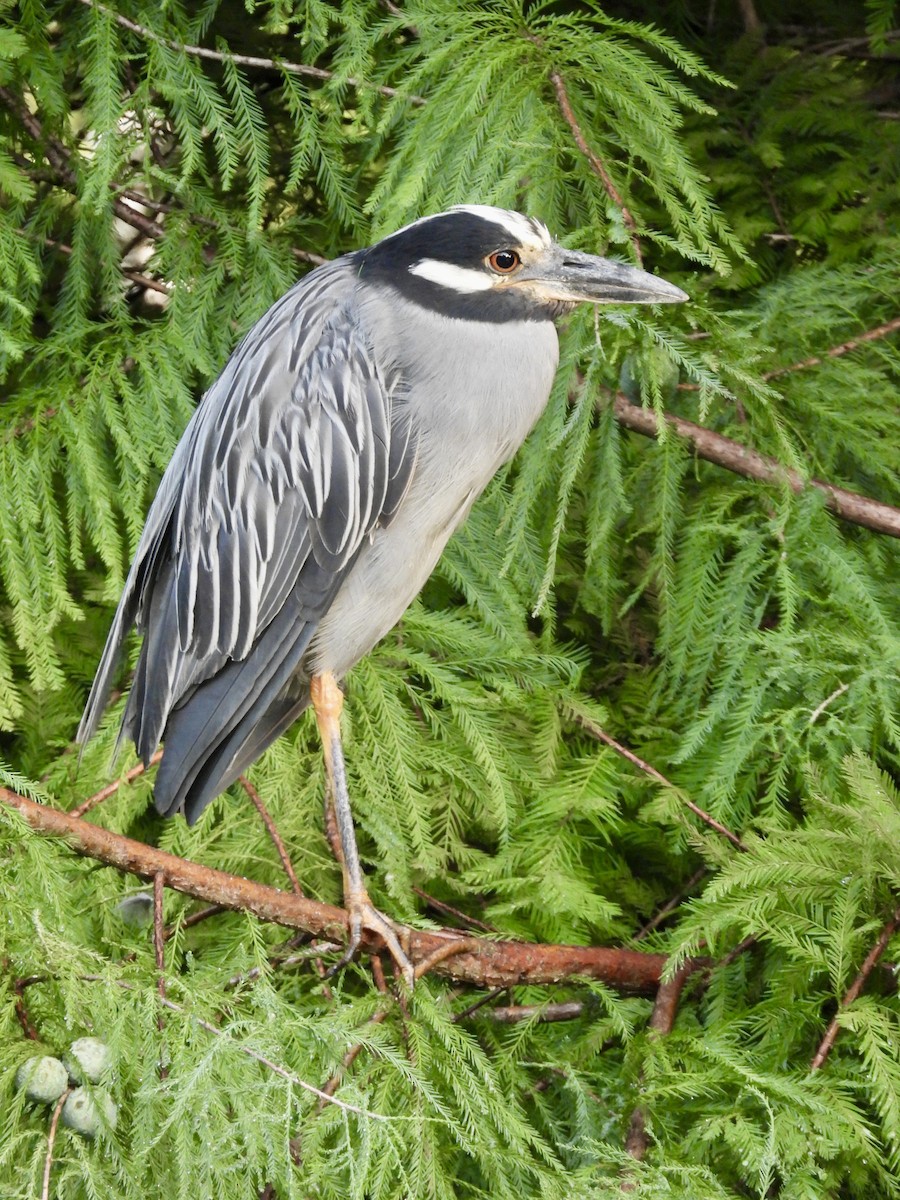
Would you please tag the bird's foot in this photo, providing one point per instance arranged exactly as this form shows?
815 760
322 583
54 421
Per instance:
364 916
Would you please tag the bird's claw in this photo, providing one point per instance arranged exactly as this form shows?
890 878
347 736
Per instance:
364 916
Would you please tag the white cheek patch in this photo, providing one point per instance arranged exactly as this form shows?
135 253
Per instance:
457 279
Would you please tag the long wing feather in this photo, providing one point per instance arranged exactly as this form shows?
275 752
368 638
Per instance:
299 449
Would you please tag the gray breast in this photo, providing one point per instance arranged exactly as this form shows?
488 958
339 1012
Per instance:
474 391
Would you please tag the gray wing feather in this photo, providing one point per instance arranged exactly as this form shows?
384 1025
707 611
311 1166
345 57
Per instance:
297 452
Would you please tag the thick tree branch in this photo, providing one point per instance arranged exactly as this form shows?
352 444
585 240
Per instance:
742 460
483 962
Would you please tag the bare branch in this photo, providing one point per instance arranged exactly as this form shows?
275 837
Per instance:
245 60
273 833
597 164
51 1141
596 731
486 963
112 788
855 988
871 335
742 460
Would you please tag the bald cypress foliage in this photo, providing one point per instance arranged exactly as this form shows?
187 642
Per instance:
168 171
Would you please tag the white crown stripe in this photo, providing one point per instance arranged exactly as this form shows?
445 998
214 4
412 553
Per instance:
525 231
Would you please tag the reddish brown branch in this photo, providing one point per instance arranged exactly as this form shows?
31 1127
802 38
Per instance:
855 988
487 963
662 1019
597 164
871 335
273 833
112 788
143 281
742 460
598 732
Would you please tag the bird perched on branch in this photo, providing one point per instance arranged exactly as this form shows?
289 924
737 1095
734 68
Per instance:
318 482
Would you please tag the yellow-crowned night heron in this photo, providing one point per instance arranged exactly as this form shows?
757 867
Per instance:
318 482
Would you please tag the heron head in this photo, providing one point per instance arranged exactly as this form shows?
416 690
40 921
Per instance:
491 264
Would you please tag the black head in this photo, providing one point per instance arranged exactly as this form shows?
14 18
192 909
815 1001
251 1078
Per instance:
491 264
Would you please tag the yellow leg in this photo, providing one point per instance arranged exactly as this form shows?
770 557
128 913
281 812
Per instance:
328 700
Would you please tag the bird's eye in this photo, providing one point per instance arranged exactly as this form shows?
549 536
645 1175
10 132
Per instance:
504 262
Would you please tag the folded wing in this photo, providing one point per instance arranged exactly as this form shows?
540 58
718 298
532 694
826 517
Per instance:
296 454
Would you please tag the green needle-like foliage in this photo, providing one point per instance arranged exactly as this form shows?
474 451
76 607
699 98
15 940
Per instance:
167 171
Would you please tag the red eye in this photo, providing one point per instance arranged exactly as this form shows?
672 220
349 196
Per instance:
504 262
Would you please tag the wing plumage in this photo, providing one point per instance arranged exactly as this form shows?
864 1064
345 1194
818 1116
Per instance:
299 450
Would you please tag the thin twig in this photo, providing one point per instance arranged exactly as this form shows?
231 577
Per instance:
350 1057
512 1014
597 164
273 833
19 986
819 709
57 153
143 281
853 991
480 1003
159 946
742 460
317 260
195 918
112 788
60 158
246 60
276 1068
706 975
442 906
281 964
598 732
670 905
487 963
872 335
51 1139
442 953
